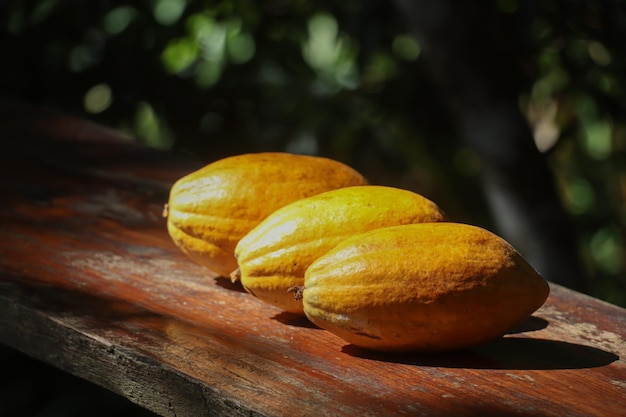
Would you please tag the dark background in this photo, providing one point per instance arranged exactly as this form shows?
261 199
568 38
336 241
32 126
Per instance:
348 80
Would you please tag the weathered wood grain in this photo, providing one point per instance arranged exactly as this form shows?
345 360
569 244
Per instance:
91 283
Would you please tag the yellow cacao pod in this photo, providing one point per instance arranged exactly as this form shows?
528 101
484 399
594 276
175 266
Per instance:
274 255
422 287
210 209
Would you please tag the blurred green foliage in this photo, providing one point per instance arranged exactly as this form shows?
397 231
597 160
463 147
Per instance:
343 79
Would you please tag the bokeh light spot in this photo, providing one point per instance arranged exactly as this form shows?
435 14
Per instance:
98 98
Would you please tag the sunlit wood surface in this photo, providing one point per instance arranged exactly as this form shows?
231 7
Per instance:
91 283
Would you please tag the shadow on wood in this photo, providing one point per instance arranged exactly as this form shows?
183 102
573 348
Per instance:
513 353
296 320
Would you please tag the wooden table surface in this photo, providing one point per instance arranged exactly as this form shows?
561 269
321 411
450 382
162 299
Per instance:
91 283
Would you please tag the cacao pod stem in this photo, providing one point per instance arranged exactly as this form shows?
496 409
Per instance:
235 275
297 292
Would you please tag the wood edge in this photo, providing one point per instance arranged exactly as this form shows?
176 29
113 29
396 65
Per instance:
123 371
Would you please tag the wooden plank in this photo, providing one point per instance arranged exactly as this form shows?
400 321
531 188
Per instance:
91 283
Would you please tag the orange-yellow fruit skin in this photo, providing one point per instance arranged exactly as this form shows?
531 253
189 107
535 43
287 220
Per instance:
274 256
422 287
212 208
